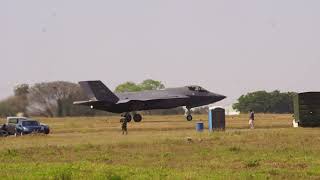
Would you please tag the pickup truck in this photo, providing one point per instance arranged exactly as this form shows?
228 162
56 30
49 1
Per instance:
21 125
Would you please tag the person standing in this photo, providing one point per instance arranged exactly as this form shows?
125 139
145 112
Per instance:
124 125
251 119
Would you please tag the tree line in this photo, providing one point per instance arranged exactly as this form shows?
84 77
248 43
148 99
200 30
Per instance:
55 99
266 102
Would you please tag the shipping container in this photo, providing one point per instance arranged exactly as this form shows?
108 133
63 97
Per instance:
307 109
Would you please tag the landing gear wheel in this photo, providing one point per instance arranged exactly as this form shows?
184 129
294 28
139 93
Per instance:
128 117
189 117
137 118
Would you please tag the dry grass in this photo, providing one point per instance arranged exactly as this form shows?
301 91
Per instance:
157 148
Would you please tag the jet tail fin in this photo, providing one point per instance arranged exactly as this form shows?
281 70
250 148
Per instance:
97 91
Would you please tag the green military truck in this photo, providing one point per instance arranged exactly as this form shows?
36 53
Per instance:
307 109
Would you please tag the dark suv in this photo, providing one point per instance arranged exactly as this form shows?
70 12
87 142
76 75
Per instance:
21 126
31 126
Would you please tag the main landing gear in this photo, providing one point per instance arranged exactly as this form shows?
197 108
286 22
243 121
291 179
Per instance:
136 117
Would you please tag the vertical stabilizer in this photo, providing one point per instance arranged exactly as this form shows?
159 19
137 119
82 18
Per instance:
97 91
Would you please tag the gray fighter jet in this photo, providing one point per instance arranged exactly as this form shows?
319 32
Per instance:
101 98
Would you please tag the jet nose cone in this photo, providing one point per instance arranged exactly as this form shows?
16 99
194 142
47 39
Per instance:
221 97
218 97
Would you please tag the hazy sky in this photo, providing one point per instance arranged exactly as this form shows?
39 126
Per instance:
227 46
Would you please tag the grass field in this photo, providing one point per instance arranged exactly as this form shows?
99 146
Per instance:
157 148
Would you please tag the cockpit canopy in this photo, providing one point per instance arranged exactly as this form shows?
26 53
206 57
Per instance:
197 88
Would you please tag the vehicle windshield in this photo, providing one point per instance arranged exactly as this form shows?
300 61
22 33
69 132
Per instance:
30 123
197 88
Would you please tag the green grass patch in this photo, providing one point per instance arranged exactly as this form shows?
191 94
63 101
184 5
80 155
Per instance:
158 149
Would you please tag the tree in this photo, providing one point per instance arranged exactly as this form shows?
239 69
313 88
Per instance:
266 102
128 87
16 104
55 99
11 106
150 84
21 90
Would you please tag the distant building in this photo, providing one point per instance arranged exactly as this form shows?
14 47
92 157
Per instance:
231 112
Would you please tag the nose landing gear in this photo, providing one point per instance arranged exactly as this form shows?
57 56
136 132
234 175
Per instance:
189 116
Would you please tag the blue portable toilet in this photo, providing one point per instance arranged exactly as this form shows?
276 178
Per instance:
216 119
199 126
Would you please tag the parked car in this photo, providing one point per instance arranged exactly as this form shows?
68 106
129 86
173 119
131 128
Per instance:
22 125
3 132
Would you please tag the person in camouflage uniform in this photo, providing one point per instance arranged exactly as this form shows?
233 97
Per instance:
124 125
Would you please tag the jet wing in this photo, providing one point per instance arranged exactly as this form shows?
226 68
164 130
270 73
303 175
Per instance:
89 103
143 99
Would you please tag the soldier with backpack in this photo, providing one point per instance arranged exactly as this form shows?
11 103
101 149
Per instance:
124 125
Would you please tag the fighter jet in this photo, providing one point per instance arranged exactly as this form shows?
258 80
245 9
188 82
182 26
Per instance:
102 98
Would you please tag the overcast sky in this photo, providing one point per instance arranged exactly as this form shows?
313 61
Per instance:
227 46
